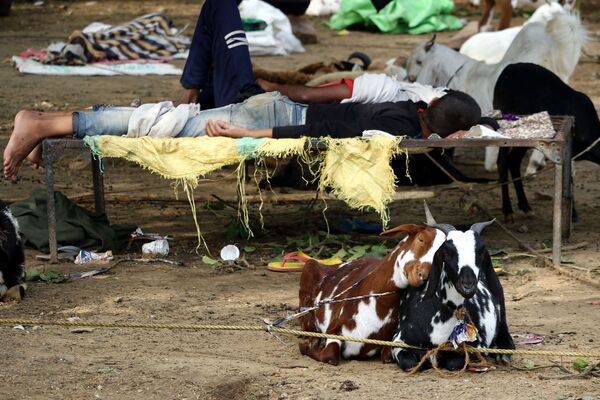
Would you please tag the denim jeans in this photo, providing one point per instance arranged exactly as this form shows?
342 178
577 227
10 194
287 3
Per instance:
262 111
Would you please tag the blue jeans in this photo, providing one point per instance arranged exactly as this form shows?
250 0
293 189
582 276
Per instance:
262 111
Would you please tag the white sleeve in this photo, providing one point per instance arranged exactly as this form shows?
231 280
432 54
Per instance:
380 88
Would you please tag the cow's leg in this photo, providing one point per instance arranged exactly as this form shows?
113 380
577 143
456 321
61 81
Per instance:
486 15
514 163
329 354
505 14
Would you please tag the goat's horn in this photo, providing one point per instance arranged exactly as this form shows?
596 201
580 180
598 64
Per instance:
430 43
446 228
429 218
480 226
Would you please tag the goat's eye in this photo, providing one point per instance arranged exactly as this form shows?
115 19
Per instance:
419 62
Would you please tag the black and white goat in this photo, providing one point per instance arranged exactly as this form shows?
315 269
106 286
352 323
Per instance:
462 275
12 257
526 88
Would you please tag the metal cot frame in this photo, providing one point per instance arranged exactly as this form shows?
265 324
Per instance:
557 150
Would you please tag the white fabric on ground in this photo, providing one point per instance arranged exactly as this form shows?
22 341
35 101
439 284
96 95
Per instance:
320 8
29 66
380 88
160 119
277 38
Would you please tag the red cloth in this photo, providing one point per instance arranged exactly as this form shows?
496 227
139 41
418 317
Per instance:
345 81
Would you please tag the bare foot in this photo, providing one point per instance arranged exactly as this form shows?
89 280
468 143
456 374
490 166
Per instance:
24 139
35 157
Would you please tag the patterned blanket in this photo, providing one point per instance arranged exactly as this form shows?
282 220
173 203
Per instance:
148 37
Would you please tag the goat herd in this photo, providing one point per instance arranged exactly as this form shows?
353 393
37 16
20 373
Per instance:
419 294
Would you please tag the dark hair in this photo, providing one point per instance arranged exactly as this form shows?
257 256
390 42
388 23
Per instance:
453 112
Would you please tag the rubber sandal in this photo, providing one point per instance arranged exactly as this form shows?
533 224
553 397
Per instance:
294 262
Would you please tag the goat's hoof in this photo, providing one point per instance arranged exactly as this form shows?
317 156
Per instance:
504 359
15 293
529 214
509 218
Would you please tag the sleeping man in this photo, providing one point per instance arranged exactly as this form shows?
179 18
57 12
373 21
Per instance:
219 72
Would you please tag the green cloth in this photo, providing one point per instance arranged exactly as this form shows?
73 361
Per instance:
399 16
75 225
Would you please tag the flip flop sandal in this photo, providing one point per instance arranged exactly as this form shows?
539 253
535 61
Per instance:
298 259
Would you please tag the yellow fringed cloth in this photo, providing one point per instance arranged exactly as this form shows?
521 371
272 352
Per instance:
358 171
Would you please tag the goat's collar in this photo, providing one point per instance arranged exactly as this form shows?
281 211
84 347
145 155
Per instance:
455 73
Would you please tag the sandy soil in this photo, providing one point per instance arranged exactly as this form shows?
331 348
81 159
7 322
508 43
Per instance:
55 363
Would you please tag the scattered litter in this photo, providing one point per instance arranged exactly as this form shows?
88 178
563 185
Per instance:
139 234
348 386
157 247
230 253
343 32
481 368
19 327
528 338
73 319
73 276
38 3
85 257
82 330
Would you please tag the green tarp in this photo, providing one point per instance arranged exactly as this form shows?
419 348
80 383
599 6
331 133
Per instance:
399 16
75 225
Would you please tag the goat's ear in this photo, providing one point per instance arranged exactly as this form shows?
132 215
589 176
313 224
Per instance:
433 282
480 226
491 278
401 230
430 43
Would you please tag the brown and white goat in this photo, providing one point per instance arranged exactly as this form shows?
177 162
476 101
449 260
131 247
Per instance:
371 316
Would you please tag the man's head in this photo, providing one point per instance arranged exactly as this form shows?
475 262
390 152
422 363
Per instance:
454 112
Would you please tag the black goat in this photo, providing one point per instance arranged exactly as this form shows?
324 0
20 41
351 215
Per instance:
12 257
526 88
462 275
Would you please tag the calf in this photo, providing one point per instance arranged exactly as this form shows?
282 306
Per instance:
373 316
526 88
461 276
12 257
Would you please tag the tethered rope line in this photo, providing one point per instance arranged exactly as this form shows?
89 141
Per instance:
273 329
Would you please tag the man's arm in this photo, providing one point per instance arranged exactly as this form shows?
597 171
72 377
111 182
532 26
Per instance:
222 128
306 94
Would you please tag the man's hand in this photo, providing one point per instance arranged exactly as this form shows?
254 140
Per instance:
188 96
457 135
268 86
222 128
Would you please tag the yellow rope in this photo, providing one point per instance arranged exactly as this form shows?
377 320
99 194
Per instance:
294 332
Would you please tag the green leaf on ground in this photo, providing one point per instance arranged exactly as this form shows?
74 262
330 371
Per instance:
527 363
52 277
580 363
104 370
209 261
249 249
32 275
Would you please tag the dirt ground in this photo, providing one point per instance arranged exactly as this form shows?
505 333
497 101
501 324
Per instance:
52 362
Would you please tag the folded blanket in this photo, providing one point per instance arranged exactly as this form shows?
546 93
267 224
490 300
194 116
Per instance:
150 36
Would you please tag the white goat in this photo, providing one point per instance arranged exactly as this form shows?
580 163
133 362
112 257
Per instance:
490 47
555 46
